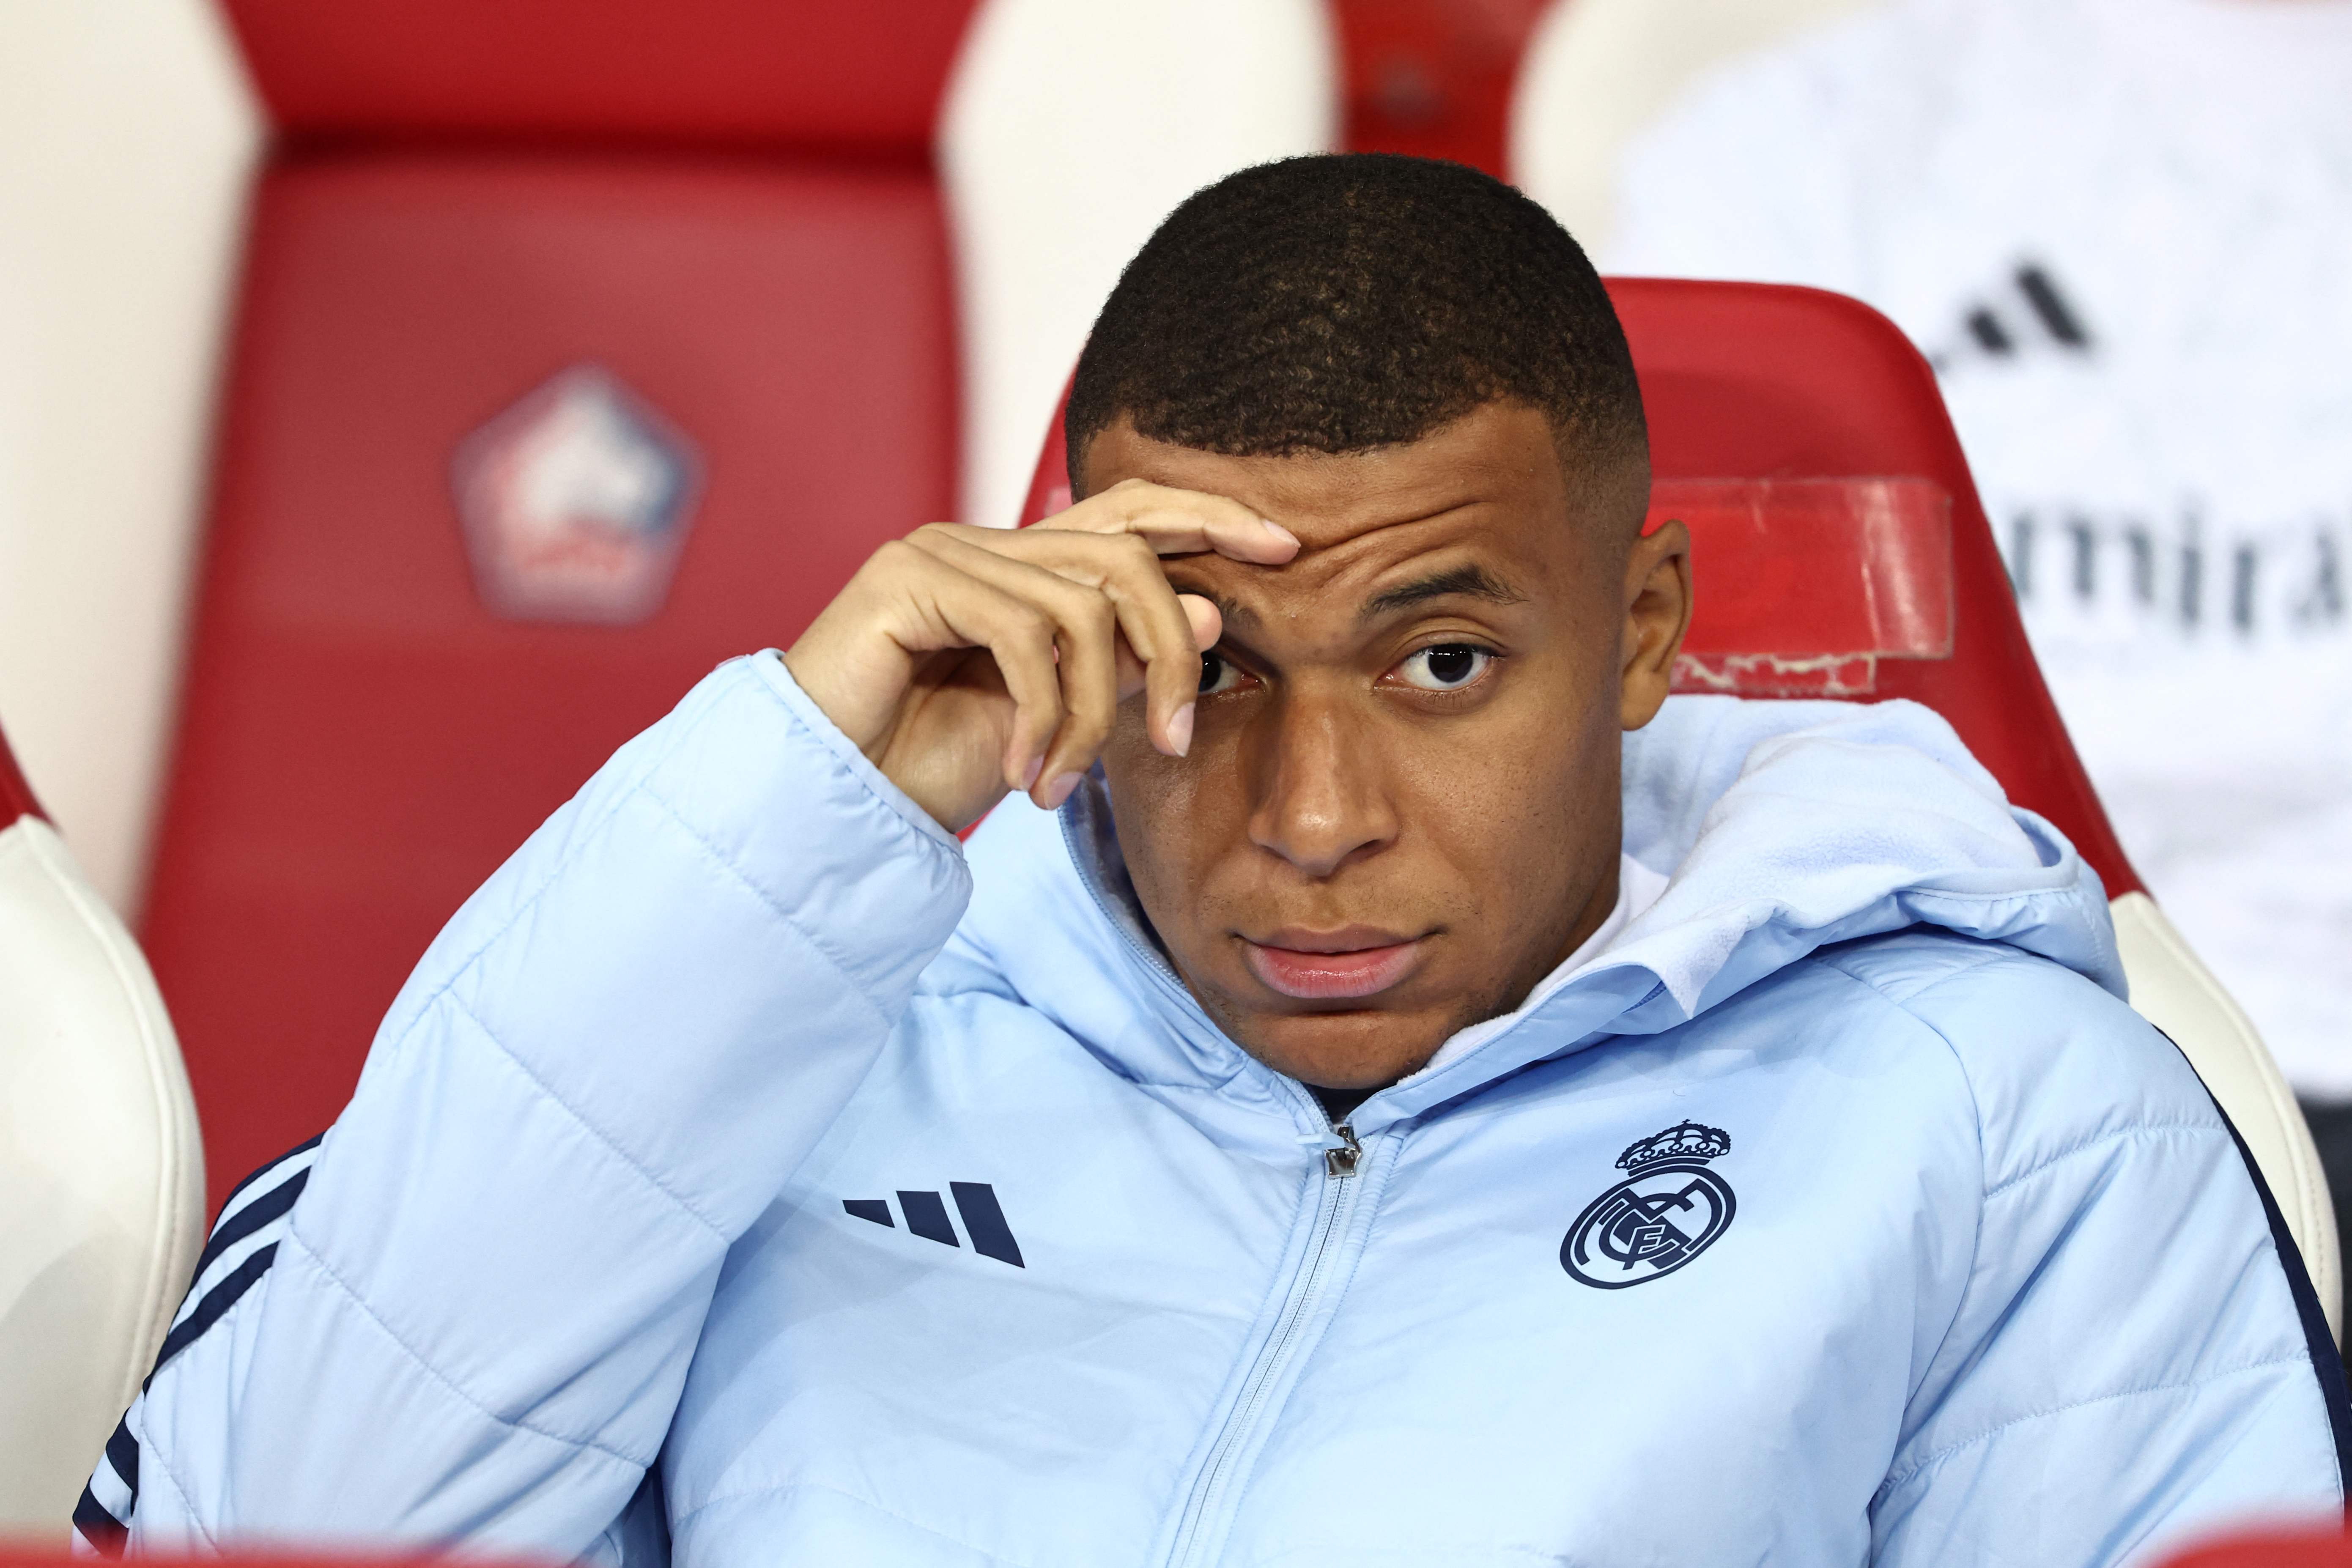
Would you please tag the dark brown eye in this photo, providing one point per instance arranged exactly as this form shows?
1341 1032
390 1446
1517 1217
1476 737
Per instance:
1217 674
1449 666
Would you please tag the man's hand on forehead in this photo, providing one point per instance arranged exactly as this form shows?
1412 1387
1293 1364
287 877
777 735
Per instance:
966 662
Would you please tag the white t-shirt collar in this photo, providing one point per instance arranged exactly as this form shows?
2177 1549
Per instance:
1638 888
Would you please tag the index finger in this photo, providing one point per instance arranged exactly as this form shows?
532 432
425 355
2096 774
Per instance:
1180 522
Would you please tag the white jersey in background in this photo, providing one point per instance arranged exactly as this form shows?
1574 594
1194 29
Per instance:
2122 230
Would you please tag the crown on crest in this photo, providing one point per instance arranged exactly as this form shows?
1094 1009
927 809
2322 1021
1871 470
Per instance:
1685 1140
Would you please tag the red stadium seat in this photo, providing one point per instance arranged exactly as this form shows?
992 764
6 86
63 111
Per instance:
16 795
580 346
1840 551
2280 1548
1433 78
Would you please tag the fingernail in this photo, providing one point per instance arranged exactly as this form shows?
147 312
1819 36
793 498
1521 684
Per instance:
1179 729
1059 790
1277 530
1029 773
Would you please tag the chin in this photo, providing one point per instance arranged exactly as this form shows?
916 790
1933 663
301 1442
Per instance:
1364 1048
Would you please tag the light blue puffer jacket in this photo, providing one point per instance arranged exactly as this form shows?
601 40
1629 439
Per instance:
749 1174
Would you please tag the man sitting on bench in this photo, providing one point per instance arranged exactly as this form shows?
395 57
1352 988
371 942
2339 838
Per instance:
1399 1088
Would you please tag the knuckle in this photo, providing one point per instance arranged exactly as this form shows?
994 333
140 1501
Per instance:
1091 715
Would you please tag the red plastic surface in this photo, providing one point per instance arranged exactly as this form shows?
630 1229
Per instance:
16 795
1756 380
1433 78
1836 575
800 73
1761 382
2276 1549
361 742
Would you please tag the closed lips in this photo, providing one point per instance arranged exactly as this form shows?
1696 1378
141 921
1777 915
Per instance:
1328 966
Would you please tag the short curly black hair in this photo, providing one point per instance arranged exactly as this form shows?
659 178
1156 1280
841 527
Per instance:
1344 301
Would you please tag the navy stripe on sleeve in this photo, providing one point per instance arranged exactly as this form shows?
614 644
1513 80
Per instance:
218 1300
122 1453
253 1206
103 1517
2326 1361
106 1534
263 1173
235 1226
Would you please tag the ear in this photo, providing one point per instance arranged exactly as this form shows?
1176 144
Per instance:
1657 614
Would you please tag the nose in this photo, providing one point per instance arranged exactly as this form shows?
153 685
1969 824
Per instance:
1318 801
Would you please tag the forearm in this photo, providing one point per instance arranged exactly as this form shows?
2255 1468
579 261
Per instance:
481 1309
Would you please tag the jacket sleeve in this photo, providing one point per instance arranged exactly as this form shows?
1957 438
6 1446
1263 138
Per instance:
2136 1359
467 1312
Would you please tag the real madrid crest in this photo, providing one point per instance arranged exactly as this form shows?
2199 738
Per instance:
1670 1209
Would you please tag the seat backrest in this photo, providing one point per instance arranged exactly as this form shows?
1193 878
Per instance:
1071 129
580 346
1806 443
1431 78
101 1179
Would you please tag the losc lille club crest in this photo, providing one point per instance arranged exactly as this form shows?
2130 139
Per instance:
1670 1209
576 502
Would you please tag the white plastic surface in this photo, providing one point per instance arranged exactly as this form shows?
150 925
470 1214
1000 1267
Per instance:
101 1178
126 135
2180 995
1071 129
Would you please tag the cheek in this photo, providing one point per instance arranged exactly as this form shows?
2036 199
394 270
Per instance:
1155 807
1184 827
1520 810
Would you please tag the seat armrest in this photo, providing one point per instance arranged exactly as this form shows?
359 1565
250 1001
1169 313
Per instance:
101 1187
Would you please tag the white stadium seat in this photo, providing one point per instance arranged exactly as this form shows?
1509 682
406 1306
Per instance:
102 1177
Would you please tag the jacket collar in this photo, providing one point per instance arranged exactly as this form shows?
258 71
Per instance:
1782 827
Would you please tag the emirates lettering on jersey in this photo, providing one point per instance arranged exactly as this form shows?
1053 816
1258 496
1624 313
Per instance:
2291 578
2188 569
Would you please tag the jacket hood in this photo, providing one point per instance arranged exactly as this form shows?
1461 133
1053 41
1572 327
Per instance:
1780 826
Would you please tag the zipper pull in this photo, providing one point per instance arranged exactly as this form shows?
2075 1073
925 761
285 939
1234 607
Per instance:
1338 1163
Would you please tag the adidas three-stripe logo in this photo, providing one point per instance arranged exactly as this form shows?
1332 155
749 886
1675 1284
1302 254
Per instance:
927 1216
243 1245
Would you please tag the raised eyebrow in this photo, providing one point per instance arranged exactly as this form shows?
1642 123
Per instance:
1469 581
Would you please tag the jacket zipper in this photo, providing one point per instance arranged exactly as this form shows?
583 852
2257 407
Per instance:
1334 1199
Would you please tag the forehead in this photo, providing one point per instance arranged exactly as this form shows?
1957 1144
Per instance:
1489 489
